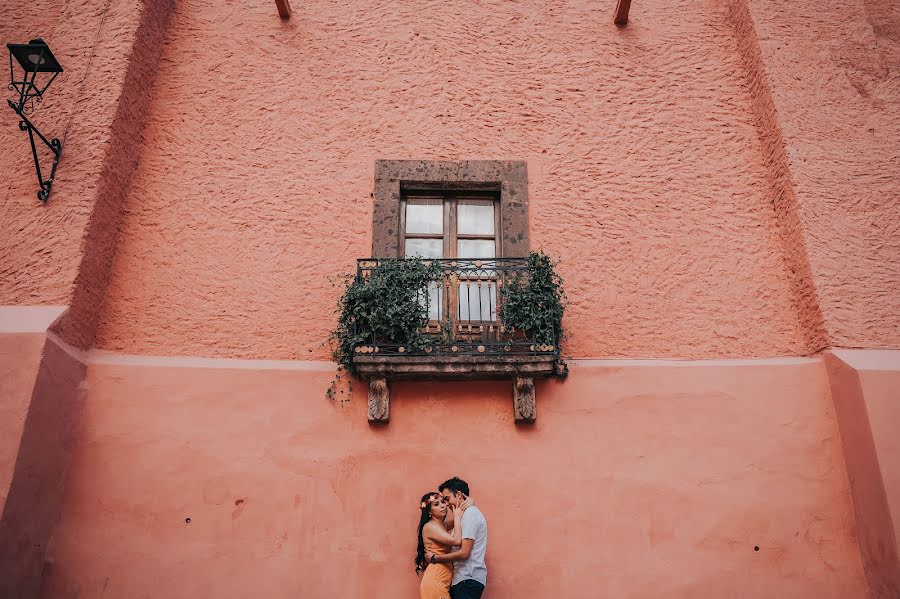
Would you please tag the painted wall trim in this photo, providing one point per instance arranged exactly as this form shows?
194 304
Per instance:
869 359
115 358
28 319
668 362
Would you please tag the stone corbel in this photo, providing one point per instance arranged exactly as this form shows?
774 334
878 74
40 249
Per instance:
524 405
379 401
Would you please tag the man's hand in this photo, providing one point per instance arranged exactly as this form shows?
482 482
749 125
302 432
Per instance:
428 556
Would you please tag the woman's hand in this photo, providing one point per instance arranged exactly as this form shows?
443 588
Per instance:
469 502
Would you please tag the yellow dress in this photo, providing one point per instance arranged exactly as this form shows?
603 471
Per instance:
437 577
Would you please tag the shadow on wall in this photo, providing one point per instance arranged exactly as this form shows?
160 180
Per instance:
32 506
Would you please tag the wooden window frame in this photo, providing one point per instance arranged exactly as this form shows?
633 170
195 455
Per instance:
450 199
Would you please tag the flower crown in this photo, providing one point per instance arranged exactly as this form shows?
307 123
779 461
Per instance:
424 504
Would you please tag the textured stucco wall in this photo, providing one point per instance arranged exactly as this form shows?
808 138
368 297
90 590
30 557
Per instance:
59 253
834 69
636 481
40 245
647 177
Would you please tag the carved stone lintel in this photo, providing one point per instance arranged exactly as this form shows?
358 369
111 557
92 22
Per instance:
524 406
379 400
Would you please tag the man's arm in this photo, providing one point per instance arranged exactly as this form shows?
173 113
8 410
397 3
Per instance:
459 555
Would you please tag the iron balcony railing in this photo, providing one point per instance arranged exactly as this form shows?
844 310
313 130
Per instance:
465 307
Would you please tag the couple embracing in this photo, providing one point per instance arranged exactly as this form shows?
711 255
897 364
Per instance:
451 544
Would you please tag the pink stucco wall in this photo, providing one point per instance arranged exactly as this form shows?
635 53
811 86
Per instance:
637 480
20 358
59 253
647 177
865 386
40 402
22 338
717 180
832 68
659 151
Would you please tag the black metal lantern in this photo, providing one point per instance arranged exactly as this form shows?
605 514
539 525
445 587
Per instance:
39 68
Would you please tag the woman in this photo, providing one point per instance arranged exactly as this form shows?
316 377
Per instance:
433 537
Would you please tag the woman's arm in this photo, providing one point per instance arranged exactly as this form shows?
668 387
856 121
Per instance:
434 532
459 555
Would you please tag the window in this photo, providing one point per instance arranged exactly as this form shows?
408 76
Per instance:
450 224
478 186
447 224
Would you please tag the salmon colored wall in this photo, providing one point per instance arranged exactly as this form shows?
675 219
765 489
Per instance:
832 67
656 149
647 176
638 480
42 441
866 389
22 336
882 391
59 253
20 357
716 180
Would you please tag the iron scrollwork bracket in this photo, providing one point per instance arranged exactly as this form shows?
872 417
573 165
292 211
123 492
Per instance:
54 144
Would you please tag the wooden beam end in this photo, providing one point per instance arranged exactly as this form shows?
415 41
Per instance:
284 8
622 8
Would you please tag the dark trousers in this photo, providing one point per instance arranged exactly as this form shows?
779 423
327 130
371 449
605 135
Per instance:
467 589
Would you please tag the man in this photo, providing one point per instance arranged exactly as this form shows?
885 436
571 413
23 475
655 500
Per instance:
469 569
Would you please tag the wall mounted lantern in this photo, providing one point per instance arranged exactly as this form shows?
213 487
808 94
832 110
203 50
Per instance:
35 58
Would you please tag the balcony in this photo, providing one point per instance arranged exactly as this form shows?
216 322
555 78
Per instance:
452 319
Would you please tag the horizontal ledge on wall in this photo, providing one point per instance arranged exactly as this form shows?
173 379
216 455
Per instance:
669 362
116 358
869 359
28 319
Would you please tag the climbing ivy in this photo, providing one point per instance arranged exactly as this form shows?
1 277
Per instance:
388 306
534 302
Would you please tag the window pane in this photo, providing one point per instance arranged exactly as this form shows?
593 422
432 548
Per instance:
424 215
475 248
435 300
425 248
477 302
475 217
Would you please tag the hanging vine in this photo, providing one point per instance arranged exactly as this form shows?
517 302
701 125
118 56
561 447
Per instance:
534 301
388 306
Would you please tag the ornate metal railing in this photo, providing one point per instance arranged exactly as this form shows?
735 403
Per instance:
465 307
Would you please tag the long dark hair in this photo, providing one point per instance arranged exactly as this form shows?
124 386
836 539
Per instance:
424 517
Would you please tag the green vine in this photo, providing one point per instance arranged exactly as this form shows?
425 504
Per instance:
386 307
534 302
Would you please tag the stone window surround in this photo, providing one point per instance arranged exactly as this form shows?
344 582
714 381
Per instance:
509 177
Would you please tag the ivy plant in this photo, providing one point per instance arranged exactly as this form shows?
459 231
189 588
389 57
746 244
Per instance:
388 306
534 303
